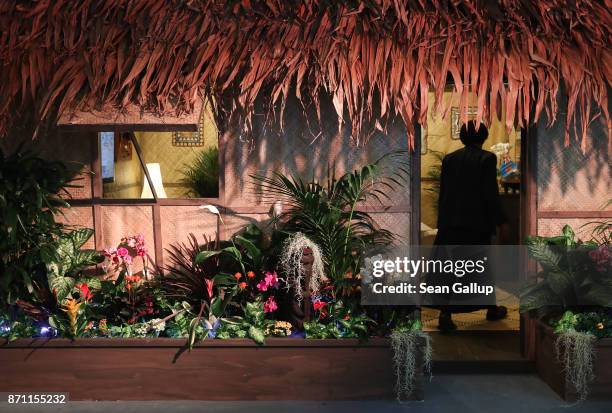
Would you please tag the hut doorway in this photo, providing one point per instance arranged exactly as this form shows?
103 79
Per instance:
476 338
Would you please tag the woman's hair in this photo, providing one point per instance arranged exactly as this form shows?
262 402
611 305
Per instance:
470 136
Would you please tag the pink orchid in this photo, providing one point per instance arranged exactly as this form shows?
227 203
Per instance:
272 279
270 305
122 251
262 286
127 259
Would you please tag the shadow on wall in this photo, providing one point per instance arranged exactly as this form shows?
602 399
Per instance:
566 169
301 148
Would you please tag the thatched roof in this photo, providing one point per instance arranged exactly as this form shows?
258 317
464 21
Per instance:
376 58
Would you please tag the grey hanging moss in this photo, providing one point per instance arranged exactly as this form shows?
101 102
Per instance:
575 350
405 345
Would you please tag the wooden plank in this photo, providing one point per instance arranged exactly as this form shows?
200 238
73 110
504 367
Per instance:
130 119
569 214
148 127
203 374
97 191
415 189
551 370
528 224
156 369
180 343
157 236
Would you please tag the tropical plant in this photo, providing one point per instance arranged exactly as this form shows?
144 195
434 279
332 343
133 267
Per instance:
252 325
197 274
573 274
405 342
31 190
330 213
316 330
65 260
336 320
202 175
601 231
73 322
433 176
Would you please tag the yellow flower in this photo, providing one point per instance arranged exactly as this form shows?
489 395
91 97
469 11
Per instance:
600 326
72 307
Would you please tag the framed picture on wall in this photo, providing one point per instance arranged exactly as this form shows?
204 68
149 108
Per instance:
190 139
456 119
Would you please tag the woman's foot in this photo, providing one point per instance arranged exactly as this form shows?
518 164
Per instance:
497 313
445 322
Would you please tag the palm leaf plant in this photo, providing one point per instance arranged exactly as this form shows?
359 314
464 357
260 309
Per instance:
202 175
331 214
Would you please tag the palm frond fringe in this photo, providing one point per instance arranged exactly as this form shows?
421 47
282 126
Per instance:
376 59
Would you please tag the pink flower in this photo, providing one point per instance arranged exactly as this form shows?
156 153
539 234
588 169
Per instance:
271 279
131 242
270 305
122 252
109 252
262 286
127 259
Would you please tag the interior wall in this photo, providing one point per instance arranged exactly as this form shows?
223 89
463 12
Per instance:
438 141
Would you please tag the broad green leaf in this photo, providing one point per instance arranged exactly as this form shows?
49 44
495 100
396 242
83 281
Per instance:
257 335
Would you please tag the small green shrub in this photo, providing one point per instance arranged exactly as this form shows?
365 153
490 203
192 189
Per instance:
202 176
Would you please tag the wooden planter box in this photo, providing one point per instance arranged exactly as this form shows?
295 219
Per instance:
551 370
149 369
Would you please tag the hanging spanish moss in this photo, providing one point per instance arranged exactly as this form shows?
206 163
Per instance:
576 351
292 265
406 349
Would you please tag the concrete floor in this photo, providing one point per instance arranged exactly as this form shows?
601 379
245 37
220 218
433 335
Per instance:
445 393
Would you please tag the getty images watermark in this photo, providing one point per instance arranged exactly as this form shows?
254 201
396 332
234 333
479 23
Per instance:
441 275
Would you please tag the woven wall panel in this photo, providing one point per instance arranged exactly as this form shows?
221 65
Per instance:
78 217
548 227
396 222
235 222
569 179
73 149
297 150
121 221
177 222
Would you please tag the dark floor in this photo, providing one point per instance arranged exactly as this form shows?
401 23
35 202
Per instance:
523 393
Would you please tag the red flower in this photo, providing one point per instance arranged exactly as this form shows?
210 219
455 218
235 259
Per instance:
237 276
319 305
209 287
251 274
85 291
242 285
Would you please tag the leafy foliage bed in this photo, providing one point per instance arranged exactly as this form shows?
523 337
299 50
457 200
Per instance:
210 288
